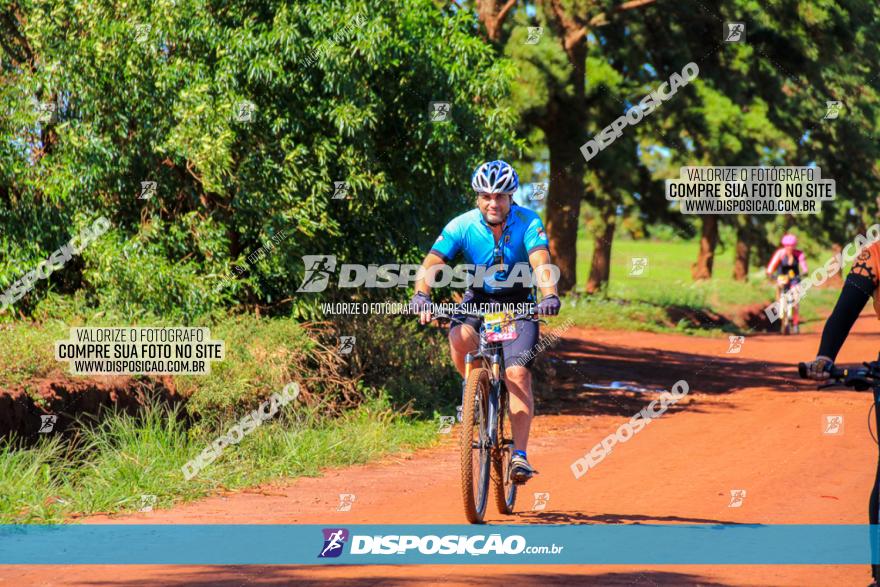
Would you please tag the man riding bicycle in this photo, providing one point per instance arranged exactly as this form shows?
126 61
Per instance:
496 234
788 263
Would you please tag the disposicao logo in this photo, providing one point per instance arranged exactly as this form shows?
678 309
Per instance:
334 539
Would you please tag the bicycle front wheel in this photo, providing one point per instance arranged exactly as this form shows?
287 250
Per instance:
474 445
505 488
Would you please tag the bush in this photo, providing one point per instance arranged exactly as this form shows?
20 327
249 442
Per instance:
163 270
411 362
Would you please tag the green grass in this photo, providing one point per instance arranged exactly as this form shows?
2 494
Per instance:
27 351
124 458
639 302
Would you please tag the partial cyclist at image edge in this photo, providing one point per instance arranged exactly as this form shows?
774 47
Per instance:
497 233
788 263
861 285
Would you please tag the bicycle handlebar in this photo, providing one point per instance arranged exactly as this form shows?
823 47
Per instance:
859 379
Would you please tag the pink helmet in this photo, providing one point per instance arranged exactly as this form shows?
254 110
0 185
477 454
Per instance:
789 240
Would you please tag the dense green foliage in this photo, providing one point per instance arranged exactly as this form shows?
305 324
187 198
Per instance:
150 92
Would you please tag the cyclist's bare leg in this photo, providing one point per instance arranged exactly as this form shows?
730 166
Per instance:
519 385
463 339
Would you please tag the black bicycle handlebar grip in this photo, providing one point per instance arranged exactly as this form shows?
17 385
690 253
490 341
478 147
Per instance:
802 370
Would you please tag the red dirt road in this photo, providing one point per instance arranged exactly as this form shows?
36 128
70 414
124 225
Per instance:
748 423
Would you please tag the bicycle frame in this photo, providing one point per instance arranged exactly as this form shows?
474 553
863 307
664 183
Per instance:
492 356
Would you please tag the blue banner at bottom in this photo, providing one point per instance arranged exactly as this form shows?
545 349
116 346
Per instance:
640 544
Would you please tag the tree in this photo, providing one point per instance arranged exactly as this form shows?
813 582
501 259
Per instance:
245 115
750 104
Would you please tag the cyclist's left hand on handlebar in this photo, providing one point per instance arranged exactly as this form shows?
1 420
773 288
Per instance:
818 368
549 306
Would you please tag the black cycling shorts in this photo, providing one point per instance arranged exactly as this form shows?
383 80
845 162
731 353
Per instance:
519 351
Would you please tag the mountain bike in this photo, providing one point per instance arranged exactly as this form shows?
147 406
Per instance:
787 304
485 436
862 379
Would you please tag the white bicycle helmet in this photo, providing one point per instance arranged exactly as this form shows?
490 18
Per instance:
495 177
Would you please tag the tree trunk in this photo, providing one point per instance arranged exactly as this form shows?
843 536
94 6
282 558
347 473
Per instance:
492 13
564 130
564 124
563 208
743 252
600 268
702 269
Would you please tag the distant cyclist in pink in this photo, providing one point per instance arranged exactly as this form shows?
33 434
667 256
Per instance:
788 263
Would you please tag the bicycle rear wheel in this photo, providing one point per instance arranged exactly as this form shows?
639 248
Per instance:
474 445
505 488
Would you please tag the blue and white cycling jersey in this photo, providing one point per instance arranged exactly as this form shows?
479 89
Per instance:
470 235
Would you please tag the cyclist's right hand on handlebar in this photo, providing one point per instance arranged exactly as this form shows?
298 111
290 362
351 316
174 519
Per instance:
549 306
421 303
818 368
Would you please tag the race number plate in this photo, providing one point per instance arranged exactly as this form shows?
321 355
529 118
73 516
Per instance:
499 327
